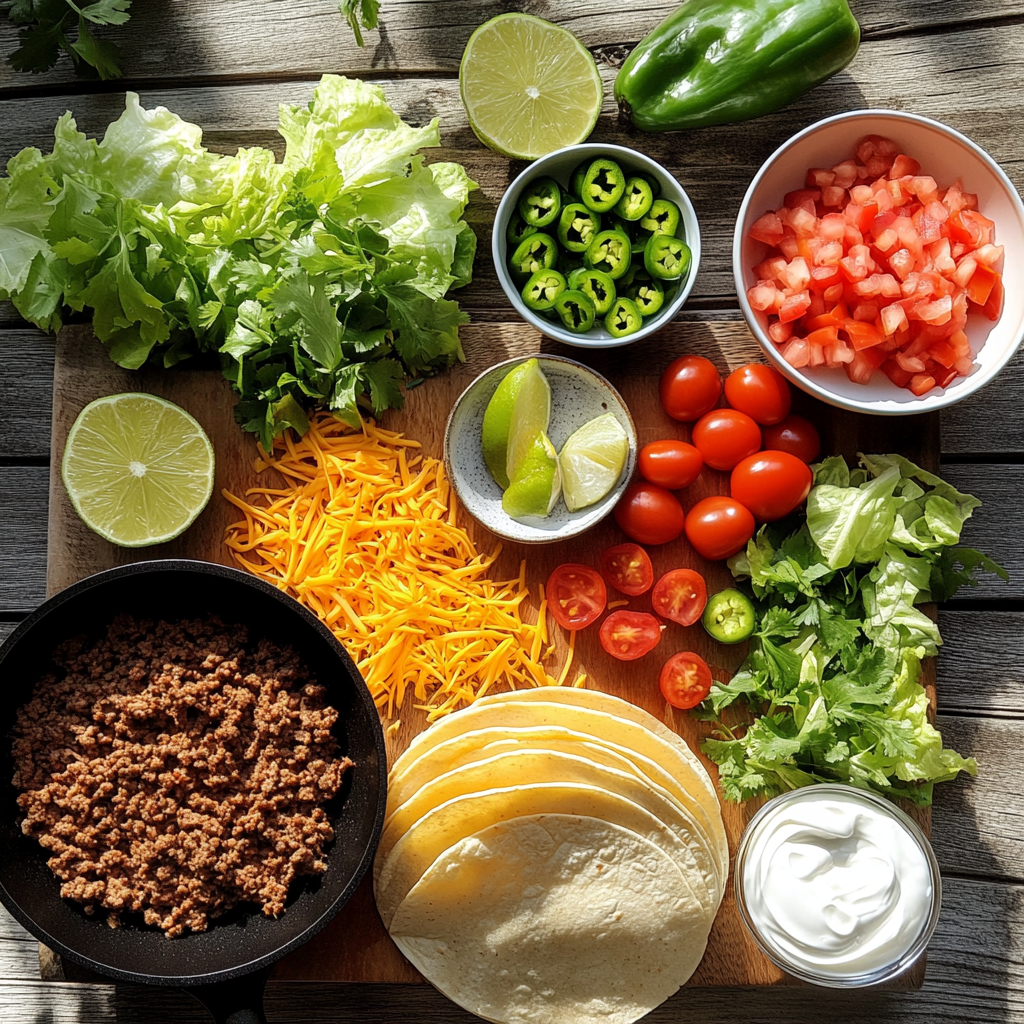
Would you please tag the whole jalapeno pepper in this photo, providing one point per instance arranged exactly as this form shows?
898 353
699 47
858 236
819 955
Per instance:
666 258
623 318
540 202
577 227
575 310
610 252
603 185
518 229
598 285
647 293
663 218
536 252
540 292
636 199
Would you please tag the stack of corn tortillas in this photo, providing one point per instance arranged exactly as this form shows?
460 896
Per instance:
552 855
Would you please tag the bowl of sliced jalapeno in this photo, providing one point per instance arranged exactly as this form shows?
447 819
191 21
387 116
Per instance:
596 245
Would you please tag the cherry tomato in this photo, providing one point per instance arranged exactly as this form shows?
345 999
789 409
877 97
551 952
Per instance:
795 435
725 436
630 635
759 391
770 484
685 680
671 464
576 595
690 387
649 514
627 568
680 595
718 527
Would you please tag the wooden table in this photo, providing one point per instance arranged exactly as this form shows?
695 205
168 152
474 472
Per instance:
226 64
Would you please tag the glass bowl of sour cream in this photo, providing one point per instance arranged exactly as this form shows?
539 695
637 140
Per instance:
837 886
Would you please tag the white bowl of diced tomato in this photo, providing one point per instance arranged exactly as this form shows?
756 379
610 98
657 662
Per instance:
869 257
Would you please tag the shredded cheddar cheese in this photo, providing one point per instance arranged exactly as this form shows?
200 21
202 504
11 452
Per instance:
365 534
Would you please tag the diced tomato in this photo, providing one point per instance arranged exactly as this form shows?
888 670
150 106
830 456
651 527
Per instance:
994 306
767 229
904 165
979 287
875 267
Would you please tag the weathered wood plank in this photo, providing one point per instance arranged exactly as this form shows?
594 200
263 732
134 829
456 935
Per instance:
715 165
992 419
26 393
6 629
980 668
219 39
975 973
977 824
23 505
996 528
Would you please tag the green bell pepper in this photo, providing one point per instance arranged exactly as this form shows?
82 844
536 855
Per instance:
721 61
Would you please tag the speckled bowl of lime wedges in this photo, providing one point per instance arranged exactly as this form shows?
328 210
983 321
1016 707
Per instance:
539 448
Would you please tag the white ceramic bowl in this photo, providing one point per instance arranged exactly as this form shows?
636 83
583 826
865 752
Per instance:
578 395
560 165
946 155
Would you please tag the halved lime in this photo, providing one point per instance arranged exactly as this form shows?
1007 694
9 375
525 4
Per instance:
591 461
529 87
537 482
138 469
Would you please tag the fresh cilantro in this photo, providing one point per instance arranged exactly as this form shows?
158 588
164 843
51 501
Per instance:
360 14
830 690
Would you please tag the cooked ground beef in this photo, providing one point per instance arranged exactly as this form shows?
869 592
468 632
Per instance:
171 771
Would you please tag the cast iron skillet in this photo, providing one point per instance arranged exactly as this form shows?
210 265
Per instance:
226 966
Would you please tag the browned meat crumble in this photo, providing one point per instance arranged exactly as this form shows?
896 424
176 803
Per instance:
169 771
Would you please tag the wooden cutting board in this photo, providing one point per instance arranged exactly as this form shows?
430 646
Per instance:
355 947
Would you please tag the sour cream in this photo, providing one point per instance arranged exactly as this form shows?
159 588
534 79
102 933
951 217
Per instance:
838 886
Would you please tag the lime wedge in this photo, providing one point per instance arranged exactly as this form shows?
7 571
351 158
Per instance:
529 87
531 413
591 461
138 469
537 481
498 420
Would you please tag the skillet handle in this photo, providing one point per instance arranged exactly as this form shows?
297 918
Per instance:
239 1001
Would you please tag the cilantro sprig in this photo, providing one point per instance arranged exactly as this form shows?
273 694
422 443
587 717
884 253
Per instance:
830 690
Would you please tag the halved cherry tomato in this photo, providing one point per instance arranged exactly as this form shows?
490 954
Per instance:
576 595
759 391
770 484
627 568
725 436
680 595
670 464
718 527
795 435
685 680
649 514
690 386
630 635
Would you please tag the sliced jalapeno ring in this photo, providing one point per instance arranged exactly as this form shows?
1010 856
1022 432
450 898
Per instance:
666 258
541 202
577 227
603 185
575 310
518 229
649 295
663 218
576 178
610 252
536 252
540 292
623 318
653 182
598 285
636 199
729 616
